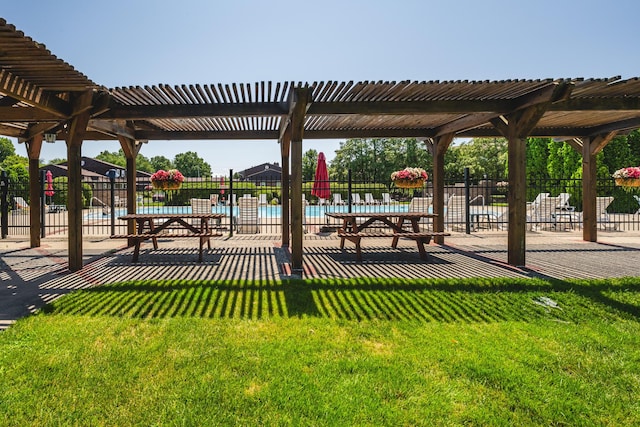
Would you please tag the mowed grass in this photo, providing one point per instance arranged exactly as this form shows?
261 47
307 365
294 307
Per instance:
328 352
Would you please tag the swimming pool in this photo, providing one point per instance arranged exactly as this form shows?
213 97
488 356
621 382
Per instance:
268 211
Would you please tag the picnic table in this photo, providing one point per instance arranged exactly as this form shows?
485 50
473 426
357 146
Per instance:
355 226
154 226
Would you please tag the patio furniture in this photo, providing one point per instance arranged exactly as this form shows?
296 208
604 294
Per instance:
248 220
213 199
262 199
356 226
20 205
637 200
369 200
337 199
153 226
356 200
387 200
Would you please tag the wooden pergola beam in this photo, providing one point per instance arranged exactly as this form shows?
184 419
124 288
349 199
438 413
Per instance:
34 146
438 147
22 90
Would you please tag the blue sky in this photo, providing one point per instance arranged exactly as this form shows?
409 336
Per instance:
148 42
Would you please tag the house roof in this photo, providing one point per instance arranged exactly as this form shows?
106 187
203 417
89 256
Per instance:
37 91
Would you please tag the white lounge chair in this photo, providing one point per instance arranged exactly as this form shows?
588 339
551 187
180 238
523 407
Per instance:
387 200
356 200
119 202
602 216
456 212
262 199
20 205
337 199
248 220
200 206
422 205
213 199
369 200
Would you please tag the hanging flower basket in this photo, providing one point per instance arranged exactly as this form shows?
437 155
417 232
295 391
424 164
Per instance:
628 182
407 183
627 178
167 180
409 178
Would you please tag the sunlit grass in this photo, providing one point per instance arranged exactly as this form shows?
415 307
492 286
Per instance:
320 352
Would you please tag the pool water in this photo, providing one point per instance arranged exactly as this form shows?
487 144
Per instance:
268 211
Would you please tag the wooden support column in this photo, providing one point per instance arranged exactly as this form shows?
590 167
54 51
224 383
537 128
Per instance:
515 127
438 147
590 148
34 146
75 136
299 101
131 148
285 148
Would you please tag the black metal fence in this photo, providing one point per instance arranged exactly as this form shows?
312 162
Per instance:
471 206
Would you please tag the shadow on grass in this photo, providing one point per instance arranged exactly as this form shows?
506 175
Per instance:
469 300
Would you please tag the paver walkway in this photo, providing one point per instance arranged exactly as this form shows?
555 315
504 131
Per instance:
29 278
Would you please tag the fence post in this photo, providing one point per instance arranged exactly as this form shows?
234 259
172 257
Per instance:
42 203
4 203
467 222
230 196
112 196
349 190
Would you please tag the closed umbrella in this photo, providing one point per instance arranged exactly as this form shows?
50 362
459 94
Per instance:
320 187
49 190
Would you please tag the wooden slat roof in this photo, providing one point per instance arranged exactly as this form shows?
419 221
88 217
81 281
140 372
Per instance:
37 89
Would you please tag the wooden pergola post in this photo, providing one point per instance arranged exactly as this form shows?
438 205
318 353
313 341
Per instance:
34 146
589 148
285 148
75 136
438 147
131 148
299 102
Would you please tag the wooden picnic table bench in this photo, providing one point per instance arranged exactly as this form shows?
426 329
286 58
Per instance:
154 226
354 231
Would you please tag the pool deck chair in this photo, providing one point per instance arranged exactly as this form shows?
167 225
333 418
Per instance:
248 220
422 205
213 199
356 200
369 200
337 199
262 199
20 205
387 200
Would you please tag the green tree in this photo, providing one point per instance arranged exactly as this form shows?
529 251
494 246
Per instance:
6 148
190 164
113 158
483 156
309 162
161 162
17 167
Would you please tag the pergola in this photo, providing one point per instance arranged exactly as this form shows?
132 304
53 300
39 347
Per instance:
41 94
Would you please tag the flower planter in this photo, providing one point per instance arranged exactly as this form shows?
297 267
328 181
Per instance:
628 182
165 185
408 183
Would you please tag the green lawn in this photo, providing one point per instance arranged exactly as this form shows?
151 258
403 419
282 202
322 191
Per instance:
328 352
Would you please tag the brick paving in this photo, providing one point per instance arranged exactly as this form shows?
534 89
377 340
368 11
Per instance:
30 278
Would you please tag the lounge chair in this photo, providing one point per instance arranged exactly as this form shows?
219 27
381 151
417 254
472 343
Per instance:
387 200
337 199
248 220
119 202
356 200
262 199
20 205
213 199
422 205
369 200
456 212
602 216
200 206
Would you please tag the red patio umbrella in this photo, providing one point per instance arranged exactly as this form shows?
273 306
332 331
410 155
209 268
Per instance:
222 185
320 187
49 190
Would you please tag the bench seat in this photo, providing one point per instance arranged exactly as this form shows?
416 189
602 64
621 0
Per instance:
421 238
139 238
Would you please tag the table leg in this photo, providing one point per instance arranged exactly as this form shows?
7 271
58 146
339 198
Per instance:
394 242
